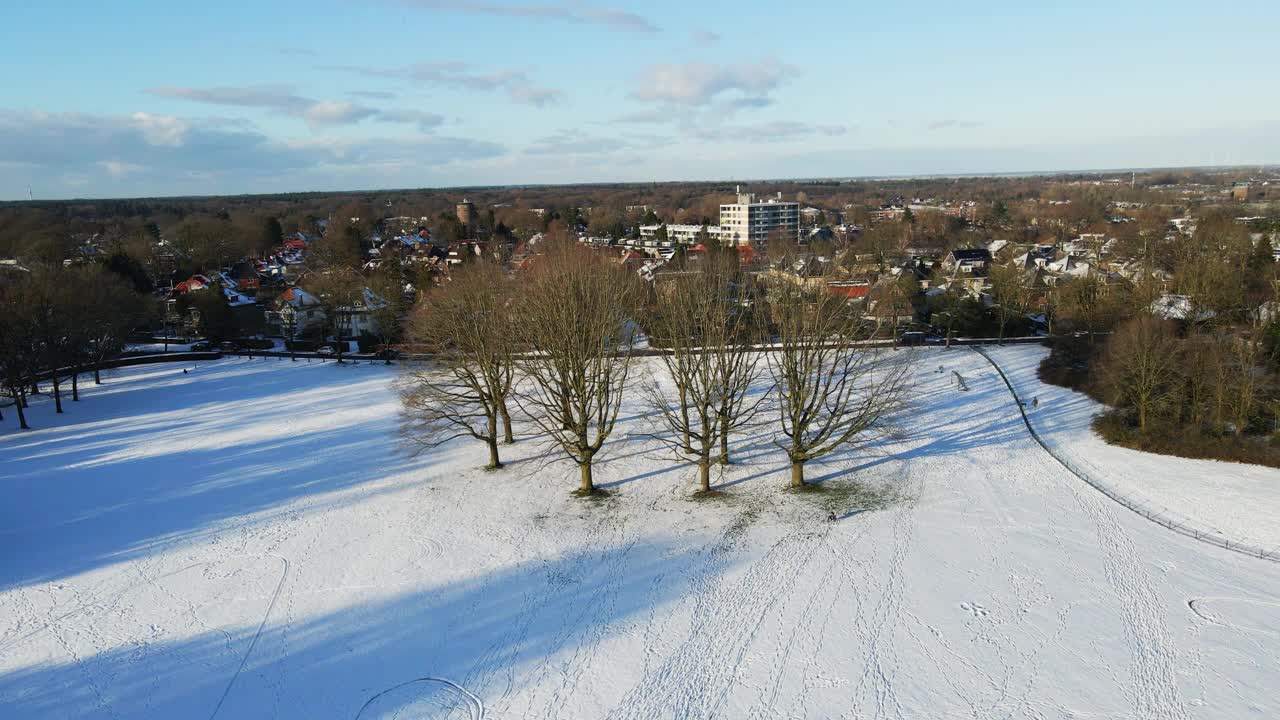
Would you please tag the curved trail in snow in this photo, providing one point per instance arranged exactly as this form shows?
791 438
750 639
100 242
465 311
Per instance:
1177 526
1198 606
475 707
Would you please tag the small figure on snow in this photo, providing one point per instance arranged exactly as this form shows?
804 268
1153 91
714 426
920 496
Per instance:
831 516
1035 401
184 371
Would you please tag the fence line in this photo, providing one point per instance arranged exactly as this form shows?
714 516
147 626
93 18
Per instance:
1151 514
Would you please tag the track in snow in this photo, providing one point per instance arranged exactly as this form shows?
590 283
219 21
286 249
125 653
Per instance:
425 698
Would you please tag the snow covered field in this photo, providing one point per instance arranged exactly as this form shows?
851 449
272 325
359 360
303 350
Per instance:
1238 502
248 540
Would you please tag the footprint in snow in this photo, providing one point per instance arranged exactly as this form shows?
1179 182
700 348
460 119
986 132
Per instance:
975 609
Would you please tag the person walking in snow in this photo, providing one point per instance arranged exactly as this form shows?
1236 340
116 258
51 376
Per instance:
1035 402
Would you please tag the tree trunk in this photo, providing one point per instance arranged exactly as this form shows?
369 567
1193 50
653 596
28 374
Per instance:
684 416
75 385
797 474
57 394
492 440
494 462
1142 417
724 440
20 401
704 474
97 373
586 486
507 436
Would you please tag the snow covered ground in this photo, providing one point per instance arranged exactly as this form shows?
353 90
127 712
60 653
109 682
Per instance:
249 540
1237 502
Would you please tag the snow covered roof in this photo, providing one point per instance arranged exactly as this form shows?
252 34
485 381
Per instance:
1178 307
235 299
298 298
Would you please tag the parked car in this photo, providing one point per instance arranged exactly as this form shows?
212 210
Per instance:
201 347
912 337
228 346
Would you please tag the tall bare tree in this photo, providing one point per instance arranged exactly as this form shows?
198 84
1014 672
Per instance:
466 326
340 291
1141 366
1084 304
19 349
709 331
575 326
1009 295
1246 356
831 392
106 309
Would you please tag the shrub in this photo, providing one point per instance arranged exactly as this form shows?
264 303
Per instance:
1117 427
1069 363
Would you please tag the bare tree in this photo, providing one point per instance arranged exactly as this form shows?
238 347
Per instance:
1009 295
712 363
19 351
830 391
575 326
340 290
50 307
107 309
1084 304
1246 356
466 326
1141 366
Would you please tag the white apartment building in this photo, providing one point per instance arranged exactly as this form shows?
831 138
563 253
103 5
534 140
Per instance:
679 234
750 221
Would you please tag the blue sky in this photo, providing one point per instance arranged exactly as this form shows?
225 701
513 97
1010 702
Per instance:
153 98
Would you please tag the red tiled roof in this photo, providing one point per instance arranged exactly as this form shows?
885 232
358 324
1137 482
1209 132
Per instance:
851 292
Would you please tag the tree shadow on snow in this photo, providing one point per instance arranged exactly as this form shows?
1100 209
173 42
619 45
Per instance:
136 469
489 633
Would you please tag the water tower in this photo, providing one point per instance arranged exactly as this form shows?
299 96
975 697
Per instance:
467 213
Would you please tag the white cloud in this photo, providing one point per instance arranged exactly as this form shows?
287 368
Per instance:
425 121
335 113
566 12
777 131
161 129
316 114
952 124
463 76
158 153
118 169
276 98
695 83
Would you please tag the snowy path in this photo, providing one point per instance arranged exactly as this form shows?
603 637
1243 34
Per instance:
247 541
